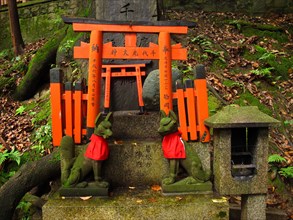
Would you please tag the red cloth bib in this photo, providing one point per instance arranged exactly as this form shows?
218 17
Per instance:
173 146
97 148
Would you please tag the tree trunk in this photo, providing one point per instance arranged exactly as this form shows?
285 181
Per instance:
39 67
29 175
17 40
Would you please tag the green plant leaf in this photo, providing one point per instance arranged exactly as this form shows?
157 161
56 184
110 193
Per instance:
287 172
276 158
15 156
3 157
20 110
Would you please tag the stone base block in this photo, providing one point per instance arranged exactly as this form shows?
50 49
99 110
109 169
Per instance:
182 187
137 203
81 192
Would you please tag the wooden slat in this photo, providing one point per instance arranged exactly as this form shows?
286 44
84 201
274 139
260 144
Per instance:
191 109
181 110
139 87
107 88
165 72
56 108
77 112
68 109
94 79
202 108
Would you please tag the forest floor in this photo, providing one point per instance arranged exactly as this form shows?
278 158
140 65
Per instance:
248 61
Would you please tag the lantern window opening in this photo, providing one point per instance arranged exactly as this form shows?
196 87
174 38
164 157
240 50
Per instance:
243 150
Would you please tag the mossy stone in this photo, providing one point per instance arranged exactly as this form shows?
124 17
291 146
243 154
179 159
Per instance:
246 116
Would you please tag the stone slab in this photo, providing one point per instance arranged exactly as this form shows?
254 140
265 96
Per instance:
131 125
81 192
137 203
198 188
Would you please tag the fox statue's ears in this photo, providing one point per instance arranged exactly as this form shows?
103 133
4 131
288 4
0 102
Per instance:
171 114
100 118
109 117
162 114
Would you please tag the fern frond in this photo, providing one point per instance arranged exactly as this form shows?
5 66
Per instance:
287 172
276 158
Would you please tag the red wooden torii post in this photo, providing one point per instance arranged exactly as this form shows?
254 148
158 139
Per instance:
95 51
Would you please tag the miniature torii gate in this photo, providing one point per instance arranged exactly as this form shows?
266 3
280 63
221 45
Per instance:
95 51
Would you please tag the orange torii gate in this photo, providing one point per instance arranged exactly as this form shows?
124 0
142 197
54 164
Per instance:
95 51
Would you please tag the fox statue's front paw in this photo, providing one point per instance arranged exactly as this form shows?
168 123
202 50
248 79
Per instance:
102 184
169 180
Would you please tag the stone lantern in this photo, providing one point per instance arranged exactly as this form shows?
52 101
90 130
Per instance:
240 138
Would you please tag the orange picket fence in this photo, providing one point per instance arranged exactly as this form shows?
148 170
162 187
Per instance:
192 102
69 104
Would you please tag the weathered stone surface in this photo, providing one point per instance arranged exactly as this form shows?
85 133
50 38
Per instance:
138 203
253 207
182 187
246 116
135 163
236 128
224 182
132 10
131 125
90 190
151 88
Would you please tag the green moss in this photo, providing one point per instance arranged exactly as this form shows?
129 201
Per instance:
6 82
281 66
65 50
279 185
222 214
280 63
261 30
229 83
40 109
41 26
87 11
19 66
277 35
6 53
39 64
247 99
214 104
218 63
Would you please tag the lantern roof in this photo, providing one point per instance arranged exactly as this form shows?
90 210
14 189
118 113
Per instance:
236 116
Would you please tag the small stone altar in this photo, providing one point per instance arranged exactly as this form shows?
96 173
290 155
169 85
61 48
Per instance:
133 167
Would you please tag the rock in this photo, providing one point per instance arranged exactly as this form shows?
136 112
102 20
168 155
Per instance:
151 88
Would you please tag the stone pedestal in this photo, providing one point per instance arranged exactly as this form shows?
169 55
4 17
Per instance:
253 207
138 203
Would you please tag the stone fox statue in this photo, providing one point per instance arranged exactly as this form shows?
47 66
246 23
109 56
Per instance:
74 169
177 151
